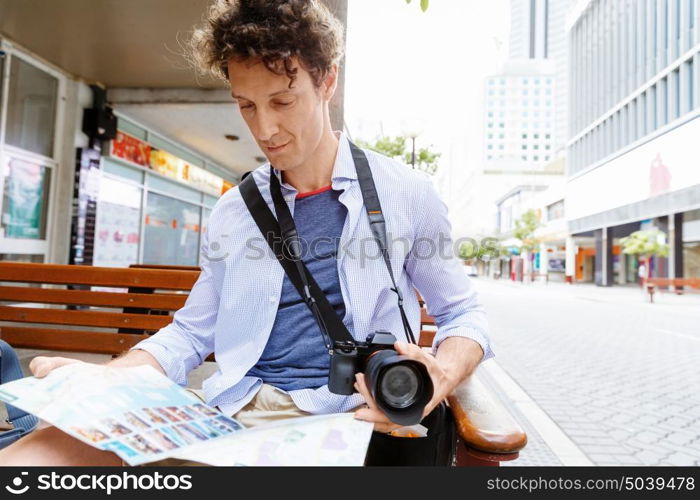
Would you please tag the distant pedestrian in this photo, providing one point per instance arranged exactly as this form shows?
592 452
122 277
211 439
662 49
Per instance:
642 272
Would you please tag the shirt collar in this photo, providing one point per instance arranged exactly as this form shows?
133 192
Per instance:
343 168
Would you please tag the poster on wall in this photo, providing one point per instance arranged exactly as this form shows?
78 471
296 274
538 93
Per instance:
23 201
117 225
85 191
557 265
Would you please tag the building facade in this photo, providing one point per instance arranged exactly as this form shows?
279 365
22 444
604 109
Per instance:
632 154
67 200
138 188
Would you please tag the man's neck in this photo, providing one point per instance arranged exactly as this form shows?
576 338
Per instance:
318 170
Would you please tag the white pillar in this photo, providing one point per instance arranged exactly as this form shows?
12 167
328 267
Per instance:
671 247
622 275
570 259
525 256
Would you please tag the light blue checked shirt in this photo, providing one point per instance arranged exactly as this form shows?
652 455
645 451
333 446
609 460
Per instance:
232 306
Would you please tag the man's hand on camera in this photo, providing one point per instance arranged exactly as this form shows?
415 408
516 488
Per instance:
443 385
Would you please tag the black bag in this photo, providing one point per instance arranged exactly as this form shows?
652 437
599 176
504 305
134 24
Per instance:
438 447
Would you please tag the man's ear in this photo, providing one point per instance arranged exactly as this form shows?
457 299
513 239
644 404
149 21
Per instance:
330 83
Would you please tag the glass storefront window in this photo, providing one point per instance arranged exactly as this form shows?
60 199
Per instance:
25 199
171 233
117 225
691 260
31 108
206 213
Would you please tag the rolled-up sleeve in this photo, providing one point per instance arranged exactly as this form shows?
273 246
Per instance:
438 274
186 342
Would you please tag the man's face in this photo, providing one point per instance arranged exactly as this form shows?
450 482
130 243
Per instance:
287 123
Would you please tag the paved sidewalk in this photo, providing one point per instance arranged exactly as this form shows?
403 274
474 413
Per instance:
618 375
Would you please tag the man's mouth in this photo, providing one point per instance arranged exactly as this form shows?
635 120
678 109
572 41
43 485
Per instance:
276 149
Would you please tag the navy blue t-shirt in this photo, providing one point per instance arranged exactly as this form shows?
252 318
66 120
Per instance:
295 356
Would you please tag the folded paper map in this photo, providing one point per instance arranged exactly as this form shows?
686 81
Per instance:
143 416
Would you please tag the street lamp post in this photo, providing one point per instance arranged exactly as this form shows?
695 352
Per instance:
413 151
412 128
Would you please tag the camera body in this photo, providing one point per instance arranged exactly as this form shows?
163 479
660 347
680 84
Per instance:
401 386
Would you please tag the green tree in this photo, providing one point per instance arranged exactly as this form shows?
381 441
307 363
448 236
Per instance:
398 148
525 228
423 4
645 244
468 250
524 231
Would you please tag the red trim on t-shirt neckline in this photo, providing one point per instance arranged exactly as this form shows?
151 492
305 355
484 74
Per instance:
317 191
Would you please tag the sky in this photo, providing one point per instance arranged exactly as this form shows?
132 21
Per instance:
407 69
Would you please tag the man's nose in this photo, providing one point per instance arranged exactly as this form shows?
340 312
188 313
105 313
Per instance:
267 126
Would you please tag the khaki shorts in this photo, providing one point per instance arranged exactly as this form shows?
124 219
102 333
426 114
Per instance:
268 405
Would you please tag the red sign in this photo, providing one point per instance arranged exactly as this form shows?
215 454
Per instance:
131 149
659 176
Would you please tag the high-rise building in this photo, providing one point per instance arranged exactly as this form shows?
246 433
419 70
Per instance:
634 121
523 134
519 116
538 32
528 29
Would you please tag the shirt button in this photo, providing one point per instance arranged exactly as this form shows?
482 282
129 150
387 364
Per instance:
273 298
260 350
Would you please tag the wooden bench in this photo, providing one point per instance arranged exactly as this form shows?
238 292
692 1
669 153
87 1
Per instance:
680 285
488 433
47 312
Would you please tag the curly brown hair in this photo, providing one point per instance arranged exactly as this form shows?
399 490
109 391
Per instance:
271 31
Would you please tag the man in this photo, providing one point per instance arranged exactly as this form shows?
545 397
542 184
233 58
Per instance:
281 61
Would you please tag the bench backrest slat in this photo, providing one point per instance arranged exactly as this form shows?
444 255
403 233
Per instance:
169 301
144 308
69 340
83 318
97 276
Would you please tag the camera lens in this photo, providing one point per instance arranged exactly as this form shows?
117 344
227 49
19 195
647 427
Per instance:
399 385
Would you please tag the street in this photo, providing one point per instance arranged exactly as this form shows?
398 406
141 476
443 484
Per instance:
618 375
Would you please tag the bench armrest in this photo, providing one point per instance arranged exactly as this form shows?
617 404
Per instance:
483 422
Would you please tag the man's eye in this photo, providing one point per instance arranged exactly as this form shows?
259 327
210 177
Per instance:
246 106
287 103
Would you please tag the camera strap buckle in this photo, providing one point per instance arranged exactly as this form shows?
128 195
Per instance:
399 294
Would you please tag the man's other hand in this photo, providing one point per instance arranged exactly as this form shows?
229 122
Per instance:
443 385
43 365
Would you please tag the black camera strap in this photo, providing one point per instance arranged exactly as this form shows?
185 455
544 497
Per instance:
377 224
328 321
282 237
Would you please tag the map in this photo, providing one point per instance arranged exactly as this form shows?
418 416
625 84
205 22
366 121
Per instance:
334 440
143 416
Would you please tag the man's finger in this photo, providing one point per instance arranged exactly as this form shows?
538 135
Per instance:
361 387
43 365
416 353
380 421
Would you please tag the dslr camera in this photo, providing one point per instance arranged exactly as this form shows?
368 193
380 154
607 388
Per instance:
401 386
